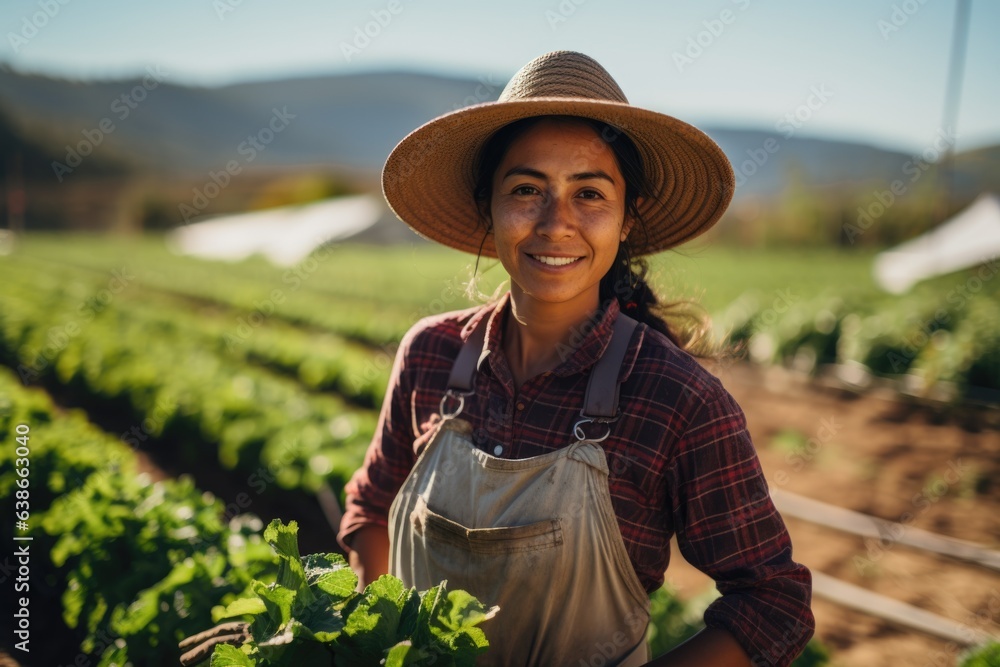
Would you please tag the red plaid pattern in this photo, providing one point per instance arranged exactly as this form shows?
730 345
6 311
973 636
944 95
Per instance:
680 457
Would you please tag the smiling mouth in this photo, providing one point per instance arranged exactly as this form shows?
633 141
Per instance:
555 261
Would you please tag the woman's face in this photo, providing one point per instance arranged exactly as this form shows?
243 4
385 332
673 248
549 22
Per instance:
557 210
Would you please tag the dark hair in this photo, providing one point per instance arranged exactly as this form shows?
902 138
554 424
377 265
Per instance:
626 280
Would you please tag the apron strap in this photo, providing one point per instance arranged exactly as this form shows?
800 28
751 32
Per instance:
463 371
601 400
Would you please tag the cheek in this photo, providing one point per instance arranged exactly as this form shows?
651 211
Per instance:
512 221
603 228
515 212
506 236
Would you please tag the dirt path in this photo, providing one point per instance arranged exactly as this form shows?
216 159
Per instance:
884 458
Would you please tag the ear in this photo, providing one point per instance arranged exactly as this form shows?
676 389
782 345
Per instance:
485 216
629 221
626 228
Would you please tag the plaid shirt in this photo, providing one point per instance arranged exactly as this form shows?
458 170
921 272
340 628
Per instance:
680 457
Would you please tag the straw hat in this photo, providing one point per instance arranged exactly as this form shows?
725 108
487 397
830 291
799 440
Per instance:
429 177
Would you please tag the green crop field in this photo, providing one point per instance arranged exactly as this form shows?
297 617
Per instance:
276 374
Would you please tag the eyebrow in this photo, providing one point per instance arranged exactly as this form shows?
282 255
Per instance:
534 173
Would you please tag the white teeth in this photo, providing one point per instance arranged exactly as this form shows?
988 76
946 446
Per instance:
555 261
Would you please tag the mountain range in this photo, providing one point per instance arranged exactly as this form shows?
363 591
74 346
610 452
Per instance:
153 125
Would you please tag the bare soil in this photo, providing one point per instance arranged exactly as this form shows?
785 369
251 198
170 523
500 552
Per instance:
886 457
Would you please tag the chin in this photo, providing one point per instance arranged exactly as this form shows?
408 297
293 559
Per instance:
554 296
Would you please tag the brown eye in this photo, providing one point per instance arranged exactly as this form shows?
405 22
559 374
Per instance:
525 190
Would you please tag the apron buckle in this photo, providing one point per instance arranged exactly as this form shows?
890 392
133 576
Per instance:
580 434
457 396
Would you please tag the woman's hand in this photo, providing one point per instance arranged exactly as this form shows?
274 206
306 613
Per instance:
711 647
369 555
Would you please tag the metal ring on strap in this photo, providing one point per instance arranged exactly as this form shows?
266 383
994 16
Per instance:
458 396
581 435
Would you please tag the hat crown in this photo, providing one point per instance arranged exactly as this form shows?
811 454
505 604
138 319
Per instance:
563 74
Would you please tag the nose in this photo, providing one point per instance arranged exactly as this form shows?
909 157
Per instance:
555 221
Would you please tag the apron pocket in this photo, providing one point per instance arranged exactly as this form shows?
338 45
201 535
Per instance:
509 539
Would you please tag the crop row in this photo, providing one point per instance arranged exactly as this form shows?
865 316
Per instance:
942 339
125 351
350 271
176 387
92 512
317 293
320 360
427 278
130 565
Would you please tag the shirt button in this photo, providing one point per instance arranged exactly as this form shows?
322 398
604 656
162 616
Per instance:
520 406
498 450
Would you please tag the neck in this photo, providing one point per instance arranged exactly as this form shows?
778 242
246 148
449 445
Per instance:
538 334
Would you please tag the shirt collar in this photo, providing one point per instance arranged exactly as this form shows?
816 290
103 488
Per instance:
583 349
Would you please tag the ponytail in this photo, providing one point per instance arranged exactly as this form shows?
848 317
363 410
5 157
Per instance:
684 322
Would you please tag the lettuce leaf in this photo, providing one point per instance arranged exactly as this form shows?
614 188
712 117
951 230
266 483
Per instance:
312 614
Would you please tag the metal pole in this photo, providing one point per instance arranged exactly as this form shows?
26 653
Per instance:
952 99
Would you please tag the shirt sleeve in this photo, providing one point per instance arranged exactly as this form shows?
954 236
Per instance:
389 458
728 527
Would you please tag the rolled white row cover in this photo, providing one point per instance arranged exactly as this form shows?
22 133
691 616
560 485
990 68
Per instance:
284 235
970 238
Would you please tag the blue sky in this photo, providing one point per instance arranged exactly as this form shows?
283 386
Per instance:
873 70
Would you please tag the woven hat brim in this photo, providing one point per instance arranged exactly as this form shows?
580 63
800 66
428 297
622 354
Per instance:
428 178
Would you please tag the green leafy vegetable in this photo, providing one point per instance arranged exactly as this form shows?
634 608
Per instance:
987 655
313 615
230 656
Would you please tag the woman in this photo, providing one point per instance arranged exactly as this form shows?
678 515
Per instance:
541 451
